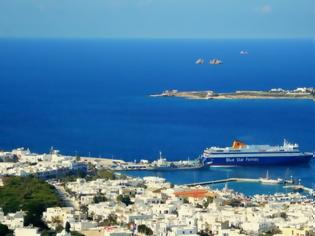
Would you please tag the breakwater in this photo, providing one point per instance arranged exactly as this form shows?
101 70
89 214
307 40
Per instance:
220 181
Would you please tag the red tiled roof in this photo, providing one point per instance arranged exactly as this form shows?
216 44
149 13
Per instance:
195 193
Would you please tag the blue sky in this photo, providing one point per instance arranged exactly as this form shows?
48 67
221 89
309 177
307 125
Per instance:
157 18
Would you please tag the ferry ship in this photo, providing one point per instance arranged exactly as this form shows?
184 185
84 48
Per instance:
241 154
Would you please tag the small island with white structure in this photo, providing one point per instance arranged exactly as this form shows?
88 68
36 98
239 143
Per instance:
275 93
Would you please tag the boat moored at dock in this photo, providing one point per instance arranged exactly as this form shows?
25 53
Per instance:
268 180
241 154
161 164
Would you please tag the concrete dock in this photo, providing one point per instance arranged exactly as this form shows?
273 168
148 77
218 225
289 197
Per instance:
296 187
299 187
210 182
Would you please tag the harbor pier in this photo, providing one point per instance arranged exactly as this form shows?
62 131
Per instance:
295 187
210 182
299 187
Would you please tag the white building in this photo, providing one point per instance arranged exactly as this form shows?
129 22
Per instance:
55 216
27 231
12 220
182 230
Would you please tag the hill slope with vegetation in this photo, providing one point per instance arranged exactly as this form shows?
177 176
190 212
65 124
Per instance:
28 194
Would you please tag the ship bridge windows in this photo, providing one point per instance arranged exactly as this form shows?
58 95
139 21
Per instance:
218 150
234 151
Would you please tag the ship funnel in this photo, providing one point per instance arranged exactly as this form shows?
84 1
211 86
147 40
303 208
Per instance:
238 144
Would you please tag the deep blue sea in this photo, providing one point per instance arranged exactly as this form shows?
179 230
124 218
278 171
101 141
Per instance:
91 97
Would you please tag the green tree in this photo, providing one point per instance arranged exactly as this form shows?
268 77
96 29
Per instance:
4 230
185 200
203 233
234 203
145 230
105 174
284 215
110 220
75 233
198 205
59 228
99 198
207 202
67 227
124 199
29 194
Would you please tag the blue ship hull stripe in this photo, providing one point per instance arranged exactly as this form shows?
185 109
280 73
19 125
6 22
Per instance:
227 153
271 160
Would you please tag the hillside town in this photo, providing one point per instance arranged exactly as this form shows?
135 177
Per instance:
22 162
116 205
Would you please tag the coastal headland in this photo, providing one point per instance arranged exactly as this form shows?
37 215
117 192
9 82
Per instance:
298 93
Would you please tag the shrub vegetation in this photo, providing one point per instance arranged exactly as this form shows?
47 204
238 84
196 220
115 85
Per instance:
28 194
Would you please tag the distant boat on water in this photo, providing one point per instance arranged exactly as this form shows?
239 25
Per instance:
244 52
215 61
200 61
